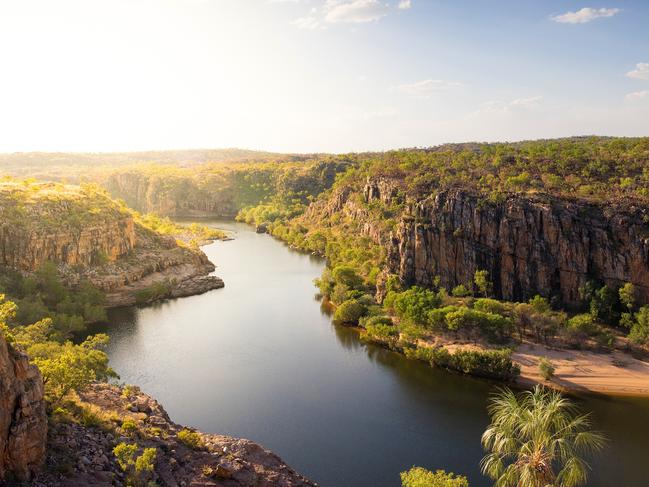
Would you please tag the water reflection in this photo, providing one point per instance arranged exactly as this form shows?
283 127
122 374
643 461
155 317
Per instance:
260 359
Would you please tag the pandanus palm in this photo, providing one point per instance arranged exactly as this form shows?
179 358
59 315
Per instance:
537 439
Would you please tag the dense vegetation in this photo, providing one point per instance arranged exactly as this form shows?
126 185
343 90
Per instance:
43 295
66 366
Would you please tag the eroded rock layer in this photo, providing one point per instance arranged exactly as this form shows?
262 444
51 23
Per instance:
23 422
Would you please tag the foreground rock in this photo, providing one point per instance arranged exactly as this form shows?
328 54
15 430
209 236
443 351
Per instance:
82 456
23 422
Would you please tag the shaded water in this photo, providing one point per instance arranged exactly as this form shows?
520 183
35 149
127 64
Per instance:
260 360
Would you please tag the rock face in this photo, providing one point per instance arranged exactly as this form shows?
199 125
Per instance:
530 244
217 461
23 421
156 268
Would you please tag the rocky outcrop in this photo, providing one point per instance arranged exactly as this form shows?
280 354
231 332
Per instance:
216 460
91 237
530 245
157 268
23 421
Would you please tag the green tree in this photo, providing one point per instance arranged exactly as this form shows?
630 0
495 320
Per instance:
349 312
420 477
482 282
627 295
537 439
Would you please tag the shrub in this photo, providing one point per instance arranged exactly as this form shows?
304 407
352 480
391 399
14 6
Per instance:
349 312
546 369
129 426
414 304
191 439
460 291
540 304
489 305
495 364
138 469
482 282
582 323
437 317
640 329
420 477
154 292
381 332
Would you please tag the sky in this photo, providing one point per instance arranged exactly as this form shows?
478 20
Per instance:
317 75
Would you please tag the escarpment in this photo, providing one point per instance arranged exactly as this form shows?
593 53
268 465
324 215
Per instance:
23 421
172 196
530 243
90 237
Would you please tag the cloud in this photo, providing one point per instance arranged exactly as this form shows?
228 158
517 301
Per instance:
307 23
585 15
354 11
404 5
641 71
638 96
425 88
516 105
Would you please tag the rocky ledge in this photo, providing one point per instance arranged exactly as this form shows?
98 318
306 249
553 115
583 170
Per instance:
81 456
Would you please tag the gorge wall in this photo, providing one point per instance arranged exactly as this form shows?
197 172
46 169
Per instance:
530 244
91 237
23 421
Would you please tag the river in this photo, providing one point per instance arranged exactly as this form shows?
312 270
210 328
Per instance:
259 359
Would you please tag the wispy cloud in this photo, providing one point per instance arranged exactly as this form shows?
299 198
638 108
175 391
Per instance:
425 88
638 96
641 71
404 5
307 23
518 104
585 15
354 11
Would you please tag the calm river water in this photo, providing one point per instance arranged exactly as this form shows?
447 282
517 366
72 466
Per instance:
260 360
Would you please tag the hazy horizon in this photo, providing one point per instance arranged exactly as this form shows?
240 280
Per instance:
305 76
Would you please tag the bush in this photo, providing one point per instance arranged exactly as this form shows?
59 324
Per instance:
494 364
349 312
640 329
420 477
413 305
191 439
138 469
154 292
460 291
582 323
437 317
546 369
489 305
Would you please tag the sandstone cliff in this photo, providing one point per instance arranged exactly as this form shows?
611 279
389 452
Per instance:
23 422
90 236
530 244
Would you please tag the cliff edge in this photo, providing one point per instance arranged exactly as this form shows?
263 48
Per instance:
23 422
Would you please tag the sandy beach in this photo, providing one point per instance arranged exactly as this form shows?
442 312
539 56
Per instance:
614 373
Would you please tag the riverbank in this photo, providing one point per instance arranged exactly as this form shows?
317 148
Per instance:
579 371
